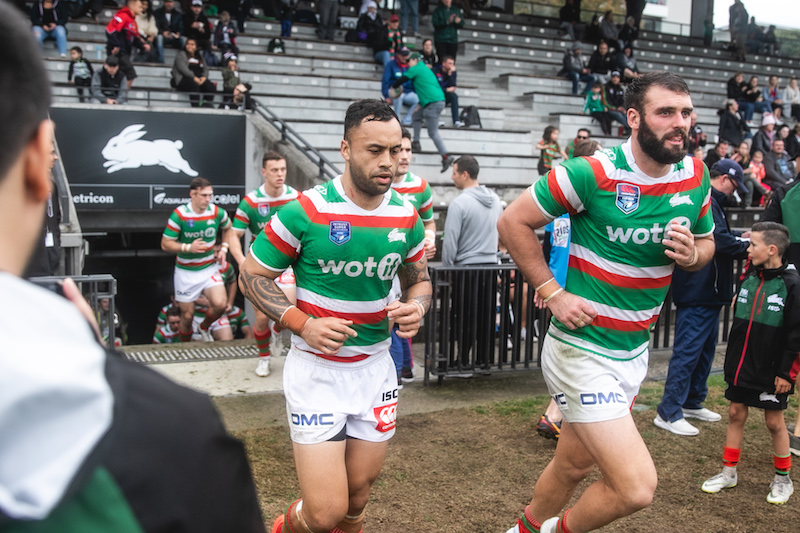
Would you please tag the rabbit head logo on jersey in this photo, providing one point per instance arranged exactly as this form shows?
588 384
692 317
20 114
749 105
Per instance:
127 151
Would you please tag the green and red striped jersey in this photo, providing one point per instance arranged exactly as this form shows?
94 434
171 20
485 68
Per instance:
184 226
344 259
616 259
164 335
238 319
257 207
417 191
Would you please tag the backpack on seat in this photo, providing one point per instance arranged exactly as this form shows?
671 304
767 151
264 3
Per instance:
276 46
470 117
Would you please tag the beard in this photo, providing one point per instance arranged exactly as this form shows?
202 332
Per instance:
654 147
362 181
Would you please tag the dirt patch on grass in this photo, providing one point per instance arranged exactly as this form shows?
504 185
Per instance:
473 470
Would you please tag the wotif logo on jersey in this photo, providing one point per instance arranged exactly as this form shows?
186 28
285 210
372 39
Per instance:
385 269
653 234
627 197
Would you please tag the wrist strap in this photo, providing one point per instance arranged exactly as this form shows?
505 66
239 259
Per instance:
294 319
545 283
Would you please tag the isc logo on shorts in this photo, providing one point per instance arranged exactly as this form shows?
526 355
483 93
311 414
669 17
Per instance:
302 419
600 398
386 416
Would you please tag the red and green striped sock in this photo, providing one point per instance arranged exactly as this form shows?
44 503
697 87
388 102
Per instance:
526 522
561 527
783 463
185 336
262 341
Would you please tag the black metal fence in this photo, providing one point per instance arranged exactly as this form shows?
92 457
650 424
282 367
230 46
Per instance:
479 323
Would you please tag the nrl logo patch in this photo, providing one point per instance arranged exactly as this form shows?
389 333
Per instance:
263 209
190 223
339 232
627 197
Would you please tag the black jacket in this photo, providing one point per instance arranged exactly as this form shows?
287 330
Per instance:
614 94
712 285
735 89
732 128
175 25
601 64
765 337
59 13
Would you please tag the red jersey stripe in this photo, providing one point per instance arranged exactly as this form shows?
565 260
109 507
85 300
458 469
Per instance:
284 247
617 280
622 325
337 359
416 257
657 189
357 318
356 220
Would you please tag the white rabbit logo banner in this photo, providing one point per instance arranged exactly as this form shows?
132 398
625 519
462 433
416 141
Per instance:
128 151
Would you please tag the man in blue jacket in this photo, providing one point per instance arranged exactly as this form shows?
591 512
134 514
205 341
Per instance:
699 297
393 71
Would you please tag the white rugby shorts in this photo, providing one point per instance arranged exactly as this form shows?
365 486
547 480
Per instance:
189 284
220 323
323 397
589 387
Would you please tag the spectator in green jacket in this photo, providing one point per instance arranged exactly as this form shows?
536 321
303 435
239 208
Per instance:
446 20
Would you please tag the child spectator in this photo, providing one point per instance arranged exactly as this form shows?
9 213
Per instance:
758 173
225 35
49 19
123 35
235 93
550 150
80 71
761 361
593 105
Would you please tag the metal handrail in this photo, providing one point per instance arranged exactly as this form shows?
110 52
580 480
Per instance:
327 170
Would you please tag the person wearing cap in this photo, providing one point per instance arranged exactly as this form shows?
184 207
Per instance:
779 168
763 138
196 26
575 69
387 40
614 98
393 70
431 105
109 85
699 297
170 28
446 20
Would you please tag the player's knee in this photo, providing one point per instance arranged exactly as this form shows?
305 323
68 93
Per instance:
640 494
187 317
575 473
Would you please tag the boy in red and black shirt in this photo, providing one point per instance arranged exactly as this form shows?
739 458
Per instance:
763 356
122 35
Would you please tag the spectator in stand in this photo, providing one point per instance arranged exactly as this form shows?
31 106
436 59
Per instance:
446 20
574 68
629 33
241 10
708 31
626 64
446 74
225 36
778 167
731 124
189 75
409 9
755 37
569 17
792 143
753 99
550 150
328 13
601 63
736 86
431 105
196 26
394 70
742 156
386 40
791 98
148 31
593 105
634 8
109 84
696 137
593 31
49 19
753 174
236 95
763 138
719 152
759 173
583 135
170 28
737 22
699 297
429 54
369 25
80 72
609 31
169 333
774 95
123 35
90 8
614 96
771 44
782 132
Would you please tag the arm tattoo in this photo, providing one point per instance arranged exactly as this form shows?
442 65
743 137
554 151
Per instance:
411 275
265 295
